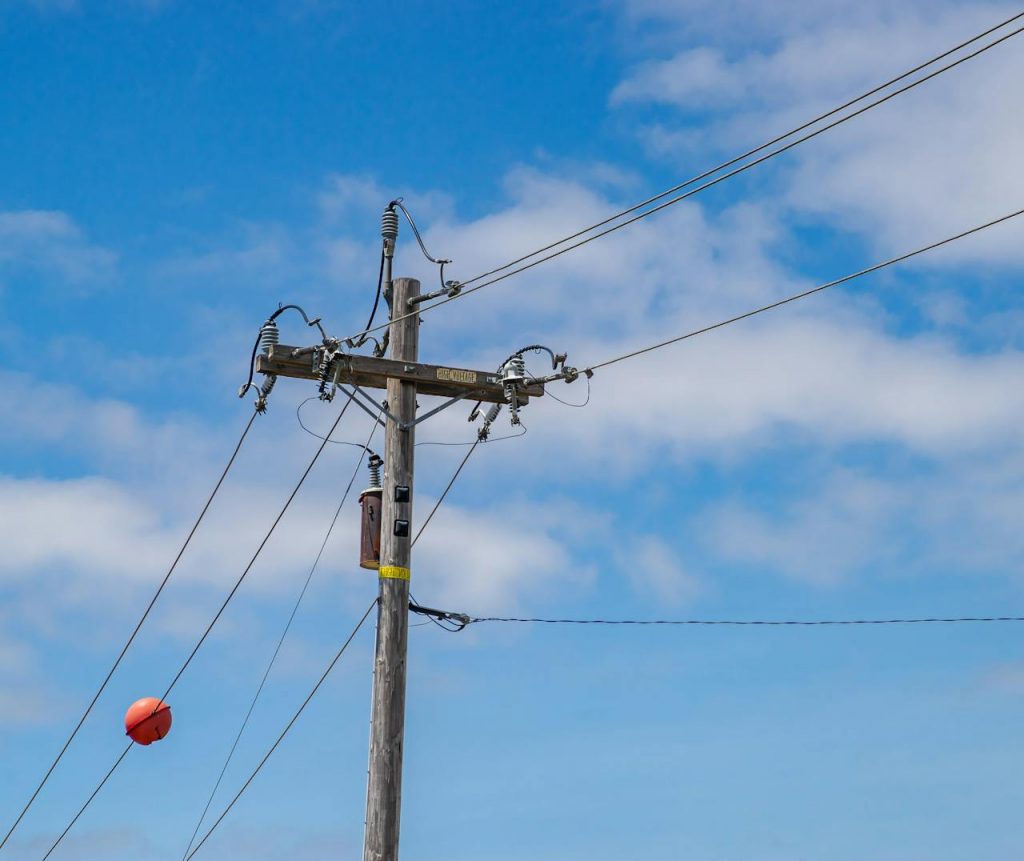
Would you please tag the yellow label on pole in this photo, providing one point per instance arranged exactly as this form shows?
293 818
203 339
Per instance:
394 572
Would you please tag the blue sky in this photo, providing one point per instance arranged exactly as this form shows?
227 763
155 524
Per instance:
171 171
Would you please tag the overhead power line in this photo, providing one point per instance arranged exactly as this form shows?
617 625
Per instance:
886 263
761 622
284 732
760 148
280 643
444 493
717 179
259 550
191 851
223 606
88 801
134 633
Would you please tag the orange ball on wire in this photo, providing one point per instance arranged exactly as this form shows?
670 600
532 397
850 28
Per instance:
147 720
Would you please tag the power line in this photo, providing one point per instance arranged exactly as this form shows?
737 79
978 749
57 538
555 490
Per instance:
88 801
437 504
414 603
280 643
259 550
726 164
721 178
753 622
135 631
223 606
892 261
191 852
284 732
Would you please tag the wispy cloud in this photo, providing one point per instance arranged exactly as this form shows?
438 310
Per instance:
51 242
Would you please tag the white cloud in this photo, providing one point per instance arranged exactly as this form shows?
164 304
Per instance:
489 561
930 163
656 571
813 375
962 515
50 241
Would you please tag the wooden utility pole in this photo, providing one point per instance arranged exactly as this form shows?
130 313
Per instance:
387 730
402 376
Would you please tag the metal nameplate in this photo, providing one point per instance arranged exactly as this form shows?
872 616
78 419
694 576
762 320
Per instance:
456 375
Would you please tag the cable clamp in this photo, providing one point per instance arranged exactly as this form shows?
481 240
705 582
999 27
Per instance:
459 619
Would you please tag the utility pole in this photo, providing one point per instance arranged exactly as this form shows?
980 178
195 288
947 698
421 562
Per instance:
387 730
403 376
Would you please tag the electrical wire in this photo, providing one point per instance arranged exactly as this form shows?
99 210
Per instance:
88 801
475 441
586 400
721 178
430 516
313 433
437 504
135 631
227 600
288 727
726 164
376 299
259 550
753 622
280 643
846 278
419 239
547 393
256 345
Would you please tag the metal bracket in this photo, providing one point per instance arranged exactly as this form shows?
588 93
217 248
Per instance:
356 390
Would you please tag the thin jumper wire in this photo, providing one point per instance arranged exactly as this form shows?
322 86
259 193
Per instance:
748 153
891 262
280 643
284 732
755 622
88 801
135 631
721 178
227 600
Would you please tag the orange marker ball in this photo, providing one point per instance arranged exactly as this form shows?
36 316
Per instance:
147 720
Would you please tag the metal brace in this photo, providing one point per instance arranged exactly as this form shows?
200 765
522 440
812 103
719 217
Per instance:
385 411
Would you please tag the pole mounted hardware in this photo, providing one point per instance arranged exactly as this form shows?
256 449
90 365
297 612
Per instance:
307 363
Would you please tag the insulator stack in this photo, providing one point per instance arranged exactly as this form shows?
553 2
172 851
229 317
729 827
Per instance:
374 466
514 370
371 501
389 225
485 428
514 373
269 336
